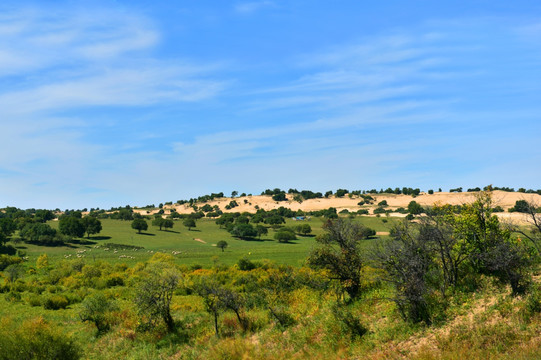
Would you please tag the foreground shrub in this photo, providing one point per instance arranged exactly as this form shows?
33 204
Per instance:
6 260
55 302
35 339
97 309
154 294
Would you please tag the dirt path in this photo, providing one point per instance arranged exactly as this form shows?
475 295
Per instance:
201 241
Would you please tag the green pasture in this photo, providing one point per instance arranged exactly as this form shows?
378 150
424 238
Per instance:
190 247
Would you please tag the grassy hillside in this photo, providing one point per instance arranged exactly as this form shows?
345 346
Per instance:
187 250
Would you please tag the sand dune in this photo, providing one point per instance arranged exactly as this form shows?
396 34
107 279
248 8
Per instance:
251 203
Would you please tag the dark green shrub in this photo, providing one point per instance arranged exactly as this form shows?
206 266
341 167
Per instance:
114 280
55 302
349 323
33 300
245 264
6 260
35 339
97 309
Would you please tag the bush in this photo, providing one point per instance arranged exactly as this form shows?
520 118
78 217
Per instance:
245 264
97 309
35 339
285 235
348 322
33 300
6 260
55 302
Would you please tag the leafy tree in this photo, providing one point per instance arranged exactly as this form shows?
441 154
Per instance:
285 235
415 208
281 196
168 223
303 229
43 215
159 222
234 193
91 225
155 292
7 227
243 219
218 298
225 219
340 254
206 208
209 291
341 192
534 218
521 206
14 272
275 220
97 308
407 261
189 223
243 231
39 233
222 244
139 225
261 230
125 214
71 226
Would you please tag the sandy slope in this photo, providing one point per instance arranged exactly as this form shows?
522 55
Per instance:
251 203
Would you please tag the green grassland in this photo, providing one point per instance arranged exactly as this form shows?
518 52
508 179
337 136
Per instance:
181 242
42 306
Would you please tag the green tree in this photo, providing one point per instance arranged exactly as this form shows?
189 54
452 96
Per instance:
97 308
159 222
415 208
303 229
243 231
339 252
285 235
168 223
155 292
189 223
91 225
261 230
71 226
7 227
521 206
39 233
222 244
139 225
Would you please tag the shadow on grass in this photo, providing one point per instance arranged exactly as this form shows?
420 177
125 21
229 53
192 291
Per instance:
82 242
252 239
8 250
147 234
171 231
100 237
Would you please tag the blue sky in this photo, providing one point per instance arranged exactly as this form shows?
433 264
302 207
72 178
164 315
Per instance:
108 103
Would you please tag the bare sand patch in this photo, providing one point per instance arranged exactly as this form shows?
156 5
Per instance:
252 203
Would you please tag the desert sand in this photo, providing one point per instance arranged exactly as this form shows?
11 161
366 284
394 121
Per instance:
251 203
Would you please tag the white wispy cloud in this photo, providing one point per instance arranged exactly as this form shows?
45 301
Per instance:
56 60
253 6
